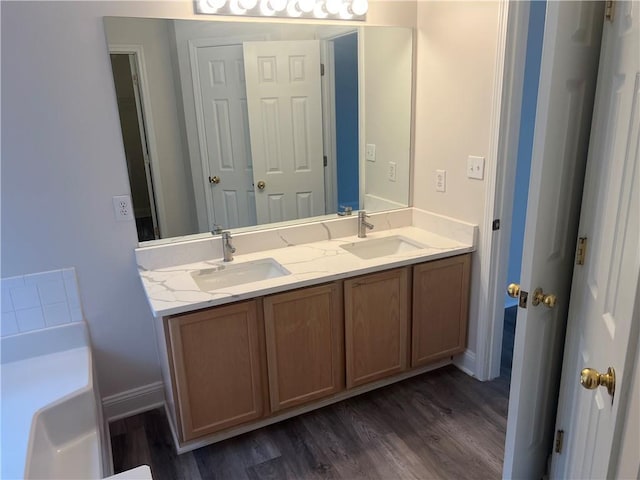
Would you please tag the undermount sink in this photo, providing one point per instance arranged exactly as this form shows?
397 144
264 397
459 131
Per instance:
381 247
223 276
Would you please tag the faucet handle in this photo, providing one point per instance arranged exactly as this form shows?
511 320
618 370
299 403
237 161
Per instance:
345 210
217 229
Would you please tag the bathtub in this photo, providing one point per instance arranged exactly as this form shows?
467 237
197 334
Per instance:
51 420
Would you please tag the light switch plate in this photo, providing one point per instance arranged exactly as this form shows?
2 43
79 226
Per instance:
370 152
475 167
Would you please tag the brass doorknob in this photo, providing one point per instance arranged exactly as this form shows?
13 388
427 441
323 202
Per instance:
215 179
261 185
513 290
591 379
547 299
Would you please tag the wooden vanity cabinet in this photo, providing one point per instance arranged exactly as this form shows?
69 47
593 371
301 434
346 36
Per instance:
304 333
235 364
218 367
440 309
377 308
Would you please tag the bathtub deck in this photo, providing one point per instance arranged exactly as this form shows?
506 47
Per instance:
29 385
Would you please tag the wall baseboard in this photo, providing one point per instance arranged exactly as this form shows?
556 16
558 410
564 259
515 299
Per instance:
466 362
132 402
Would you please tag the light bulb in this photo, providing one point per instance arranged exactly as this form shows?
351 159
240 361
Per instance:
359 7
306 6
333 6
235 7
345 12
216 4
278 5
319 11
265 9
292 9
248 4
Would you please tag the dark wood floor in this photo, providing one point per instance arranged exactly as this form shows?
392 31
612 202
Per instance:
441 424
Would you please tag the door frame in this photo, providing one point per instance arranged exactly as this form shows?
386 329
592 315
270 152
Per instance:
494 245
156 197
329 117
499 195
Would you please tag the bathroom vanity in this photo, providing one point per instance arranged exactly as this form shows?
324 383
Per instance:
323 321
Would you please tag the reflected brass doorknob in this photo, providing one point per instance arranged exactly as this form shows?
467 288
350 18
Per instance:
261 185
215 179
591 379
513 290
547 299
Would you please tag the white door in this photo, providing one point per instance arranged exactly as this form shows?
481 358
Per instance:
605 286
224 126
285 116
568 73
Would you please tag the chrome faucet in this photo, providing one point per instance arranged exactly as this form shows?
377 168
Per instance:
227 249
363 224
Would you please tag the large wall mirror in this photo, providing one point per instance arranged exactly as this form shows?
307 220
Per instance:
242 124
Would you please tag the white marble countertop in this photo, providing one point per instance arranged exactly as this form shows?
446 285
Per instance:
172 290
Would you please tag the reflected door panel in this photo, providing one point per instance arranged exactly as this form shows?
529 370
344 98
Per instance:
285 116
225 130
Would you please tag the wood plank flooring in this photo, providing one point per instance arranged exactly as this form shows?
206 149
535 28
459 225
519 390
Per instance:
441 424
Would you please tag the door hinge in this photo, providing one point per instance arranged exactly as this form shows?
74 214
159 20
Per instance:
324 160
581 251
609 9
559 439
134 78
495 225
322 69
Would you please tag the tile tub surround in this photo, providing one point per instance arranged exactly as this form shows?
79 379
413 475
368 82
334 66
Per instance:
39 300
311 252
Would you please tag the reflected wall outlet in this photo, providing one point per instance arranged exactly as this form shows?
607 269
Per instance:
370 152
441 180
122 208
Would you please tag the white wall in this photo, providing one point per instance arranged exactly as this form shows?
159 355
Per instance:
176 201
63 160
388 55
457 54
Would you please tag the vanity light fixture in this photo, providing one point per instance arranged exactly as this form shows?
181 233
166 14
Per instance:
321 9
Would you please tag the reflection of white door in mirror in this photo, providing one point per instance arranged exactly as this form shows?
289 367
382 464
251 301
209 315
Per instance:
285 115
224 131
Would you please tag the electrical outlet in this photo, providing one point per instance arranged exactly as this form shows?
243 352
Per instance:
441 180
370 152
122 208
392 171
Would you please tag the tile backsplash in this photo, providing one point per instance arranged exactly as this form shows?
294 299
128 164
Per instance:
39 300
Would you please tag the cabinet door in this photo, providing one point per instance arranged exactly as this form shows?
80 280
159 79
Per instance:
216 358
376 324
304 332
440 309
